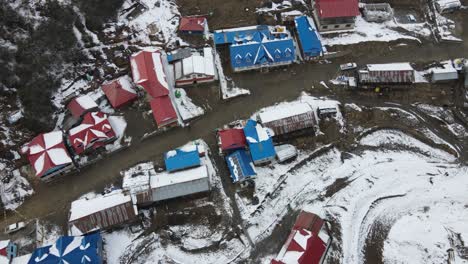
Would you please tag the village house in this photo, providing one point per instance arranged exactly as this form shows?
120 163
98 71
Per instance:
231 139
183 158
71 249
335 15
195 69
193 25
136 181
94 132
308 38
48 155
287 117
257 47
80 105
119 92
169 185
307 243
260 143
240 166
148 72
101 212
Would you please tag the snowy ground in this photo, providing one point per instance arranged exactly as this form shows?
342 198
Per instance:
14 190
228 87
387 31
186 108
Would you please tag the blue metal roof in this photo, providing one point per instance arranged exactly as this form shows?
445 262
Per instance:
235 35
260 150
240 165
308 36
180 159
70 249
261 53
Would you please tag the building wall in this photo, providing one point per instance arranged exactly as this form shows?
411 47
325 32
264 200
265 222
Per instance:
191 80
61 172
290 124
390 77
181 189
117 215
324 25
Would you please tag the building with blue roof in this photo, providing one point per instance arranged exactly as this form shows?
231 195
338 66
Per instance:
260 143
309 39
240 165
183 158
71 249
257 47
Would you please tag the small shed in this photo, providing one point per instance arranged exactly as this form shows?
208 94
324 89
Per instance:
167 185
444 73
445 6
307 243
81 105
101 212
287 117
179 54
193 25
71 249
260 143
119 92
94 132
378 12
285 152
183 158
309 39
231 139
48 155
240 166
163 111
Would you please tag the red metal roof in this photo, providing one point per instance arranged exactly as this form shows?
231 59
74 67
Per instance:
192 24
47 151
148 71
232 139
119 92
163 111
80 105
337 8
93 132
304 238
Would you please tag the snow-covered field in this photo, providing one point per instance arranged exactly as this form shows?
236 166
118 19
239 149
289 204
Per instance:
187 109
387 31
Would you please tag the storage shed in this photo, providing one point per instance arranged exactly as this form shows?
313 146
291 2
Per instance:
260 143
390 73
80 105
167 185
287 117
101 212
444 73
182 158
119 92
240 166
231 139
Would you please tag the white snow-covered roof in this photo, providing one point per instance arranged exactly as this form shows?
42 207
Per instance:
4 243
445 4
137 178
284 110
235 29
166 178
197 64
125 83
84 207
24 259
404 66
446 68
158 68
86 102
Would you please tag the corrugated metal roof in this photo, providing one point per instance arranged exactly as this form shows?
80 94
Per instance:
232 139
240 165
119 92
308 36
337 8
260 143
163 110
180 159
192 24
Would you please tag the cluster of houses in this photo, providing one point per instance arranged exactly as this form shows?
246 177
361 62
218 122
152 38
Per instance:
251 144
186 173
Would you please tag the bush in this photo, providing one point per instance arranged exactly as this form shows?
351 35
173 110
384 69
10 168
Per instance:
98 12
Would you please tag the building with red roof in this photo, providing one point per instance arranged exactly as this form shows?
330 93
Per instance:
148 72
193 25
231 139
94 131
119 92
80 105
48 155
335 15
307 243
163 111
